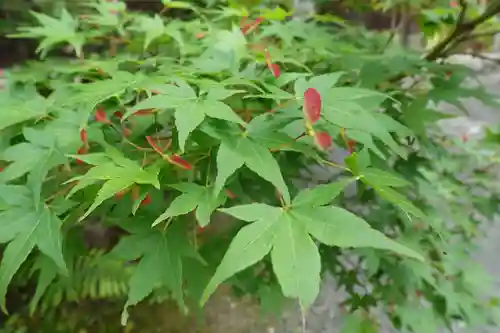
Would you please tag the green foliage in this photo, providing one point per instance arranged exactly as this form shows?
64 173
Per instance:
163 125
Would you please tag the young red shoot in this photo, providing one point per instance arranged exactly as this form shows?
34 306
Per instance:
83 136
312 105
126 131
230 194
81 151
351 144
120 194
246 28
200 35
147 200
243 21
100 116
323 140
143 112
178 161
274 68
154 145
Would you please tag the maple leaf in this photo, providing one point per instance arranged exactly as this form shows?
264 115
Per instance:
160 262
24 225
190 110
117 172
54 31
286 234
193 197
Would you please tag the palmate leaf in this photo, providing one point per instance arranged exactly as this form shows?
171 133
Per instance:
383 183
160 264
190 110
286 233
117 172
54 31
235 152
48 272
16 110
39 150
24 226
89 95
153 27
193 197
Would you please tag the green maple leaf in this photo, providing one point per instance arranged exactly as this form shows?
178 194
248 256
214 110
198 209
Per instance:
28 156
90 95
48 272
417 115
234 152
117 172
24 225
286 233
287 31
190 110
17 110
384 182
160 264
54 31
193 197
107 16
153 27
322 83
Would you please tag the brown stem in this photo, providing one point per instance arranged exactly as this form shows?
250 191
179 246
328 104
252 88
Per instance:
453 39
462 28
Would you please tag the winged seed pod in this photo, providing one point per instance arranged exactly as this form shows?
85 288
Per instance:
312 105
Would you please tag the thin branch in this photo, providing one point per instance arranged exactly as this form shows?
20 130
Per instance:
462 28
459 29
481 34
467 37
484 57
461 16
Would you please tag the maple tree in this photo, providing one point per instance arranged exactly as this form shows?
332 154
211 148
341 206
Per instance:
175 121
